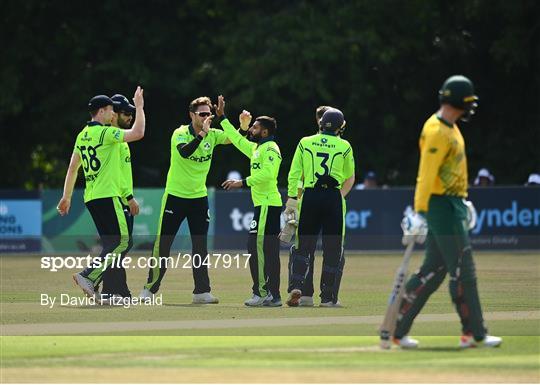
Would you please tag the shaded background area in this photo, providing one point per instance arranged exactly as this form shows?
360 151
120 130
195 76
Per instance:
381 62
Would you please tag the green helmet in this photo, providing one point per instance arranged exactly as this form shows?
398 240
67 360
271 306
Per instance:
458 91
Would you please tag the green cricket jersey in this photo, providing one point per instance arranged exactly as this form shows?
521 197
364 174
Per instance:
187 177
320 155
265 159
125 165
99 149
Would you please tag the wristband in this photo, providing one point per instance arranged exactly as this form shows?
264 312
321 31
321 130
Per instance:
129 197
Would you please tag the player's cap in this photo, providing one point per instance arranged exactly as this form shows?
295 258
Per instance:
332 120
534 179
121 103
484 172
99 101
371 175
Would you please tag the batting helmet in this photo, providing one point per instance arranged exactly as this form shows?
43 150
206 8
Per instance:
332 120
458 91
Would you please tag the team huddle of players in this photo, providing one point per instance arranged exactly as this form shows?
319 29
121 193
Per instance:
320 177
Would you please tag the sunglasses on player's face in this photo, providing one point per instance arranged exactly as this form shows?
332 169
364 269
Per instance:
203 114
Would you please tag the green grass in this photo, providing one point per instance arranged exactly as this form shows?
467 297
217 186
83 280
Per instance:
312 353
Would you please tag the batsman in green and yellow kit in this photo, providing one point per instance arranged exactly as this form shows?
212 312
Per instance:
263 242
326 163
441 189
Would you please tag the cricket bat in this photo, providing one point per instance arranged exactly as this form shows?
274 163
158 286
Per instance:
388 326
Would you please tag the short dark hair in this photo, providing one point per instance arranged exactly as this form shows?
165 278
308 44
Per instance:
267 123
202 101
319 112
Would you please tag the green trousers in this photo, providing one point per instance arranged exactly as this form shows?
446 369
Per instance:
448 250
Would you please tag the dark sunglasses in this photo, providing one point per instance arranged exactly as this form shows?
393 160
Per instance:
203 114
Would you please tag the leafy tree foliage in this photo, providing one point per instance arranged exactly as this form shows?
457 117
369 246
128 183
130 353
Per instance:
381 62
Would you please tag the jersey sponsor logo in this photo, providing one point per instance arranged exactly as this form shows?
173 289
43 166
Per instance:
85 137
324 140
117 134
127 159
91 177
200 159
323 144
182 139
256 166
271 158
206 146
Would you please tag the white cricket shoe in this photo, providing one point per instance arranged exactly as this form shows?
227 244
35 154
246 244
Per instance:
330 304
85 284
306 301
467 341
204 298
270 301
406 342
255 301
146 294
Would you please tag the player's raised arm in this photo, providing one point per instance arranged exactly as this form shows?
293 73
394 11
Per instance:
69 184
137 131
235 137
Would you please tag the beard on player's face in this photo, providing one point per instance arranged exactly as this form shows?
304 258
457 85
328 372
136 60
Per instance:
123 123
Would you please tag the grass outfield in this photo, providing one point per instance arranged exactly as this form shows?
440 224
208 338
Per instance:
179 342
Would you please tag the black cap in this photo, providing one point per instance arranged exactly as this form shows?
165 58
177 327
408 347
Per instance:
121 103
99 101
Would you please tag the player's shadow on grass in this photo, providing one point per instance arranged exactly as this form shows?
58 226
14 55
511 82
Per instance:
185 304
441 349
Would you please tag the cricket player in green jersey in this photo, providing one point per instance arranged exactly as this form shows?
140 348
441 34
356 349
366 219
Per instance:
439 199
265 160
186 197
327 164
97 148
114 278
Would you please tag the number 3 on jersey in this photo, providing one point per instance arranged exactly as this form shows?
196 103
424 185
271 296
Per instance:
91 161
324 157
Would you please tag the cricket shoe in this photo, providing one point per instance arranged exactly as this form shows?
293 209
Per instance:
254 301
406 342
146 294
468 341
85 284
330 304
294 297
204 298
306 301
270 301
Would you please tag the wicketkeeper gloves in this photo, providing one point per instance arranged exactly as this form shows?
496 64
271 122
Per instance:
291 221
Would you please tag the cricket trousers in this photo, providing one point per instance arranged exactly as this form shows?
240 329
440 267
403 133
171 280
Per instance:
173 212
114 224
448 250
321 210
263 245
